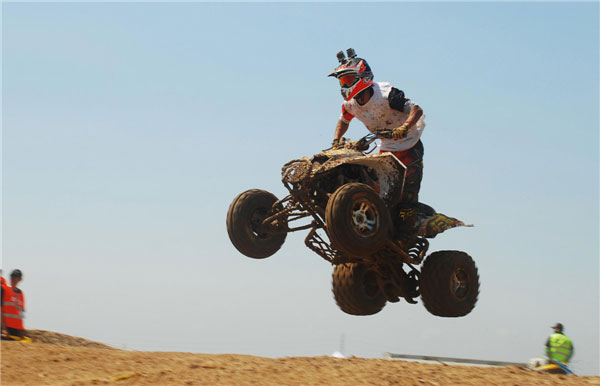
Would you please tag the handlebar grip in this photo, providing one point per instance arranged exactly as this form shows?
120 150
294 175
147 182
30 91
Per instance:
383 133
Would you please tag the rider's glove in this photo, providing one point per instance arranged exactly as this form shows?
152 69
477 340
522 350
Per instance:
400 132
337 143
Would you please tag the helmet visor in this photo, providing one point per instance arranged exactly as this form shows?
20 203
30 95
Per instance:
348 80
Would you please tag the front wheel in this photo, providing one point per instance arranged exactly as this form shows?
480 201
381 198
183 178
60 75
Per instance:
449 283
358 222
244 224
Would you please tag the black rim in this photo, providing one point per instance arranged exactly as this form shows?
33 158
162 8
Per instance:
256 221
459 283
370 284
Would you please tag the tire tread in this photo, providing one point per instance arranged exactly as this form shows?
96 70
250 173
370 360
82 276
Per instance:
348 291
237 228
434 284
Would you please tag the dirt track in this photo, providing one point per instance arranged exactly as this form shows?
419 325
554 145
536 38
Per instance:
56 359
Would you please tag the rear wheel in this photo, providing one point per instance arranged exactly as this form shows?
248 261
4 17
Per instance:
355 289
358 222
449 283
244 224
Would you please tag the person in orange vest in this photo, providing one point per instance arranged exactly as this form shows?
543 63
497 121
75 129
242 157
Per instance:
5 288
13 306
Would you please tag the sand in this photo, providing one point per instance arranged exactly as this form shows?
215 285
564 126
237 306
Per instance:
58 359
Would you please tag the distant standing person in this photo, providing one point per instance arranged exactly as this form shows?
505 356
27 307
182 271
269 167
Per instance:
558 346
13 305
5 289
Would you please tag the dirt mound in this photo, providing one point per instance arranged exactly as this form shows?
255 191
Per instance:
49 337
77 362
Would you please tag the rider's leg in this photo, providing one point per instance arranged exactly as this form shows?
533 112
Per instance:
413 160
406 209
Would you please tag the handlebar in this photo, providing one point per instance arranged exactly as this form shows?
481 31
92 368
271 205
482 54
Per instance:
363 143
384 133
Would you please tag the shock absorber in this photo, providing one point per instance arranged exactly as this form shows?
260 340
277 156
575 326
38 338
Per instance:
418 249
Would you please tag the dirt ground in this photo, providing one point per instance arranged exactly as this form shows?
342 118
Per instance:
57 359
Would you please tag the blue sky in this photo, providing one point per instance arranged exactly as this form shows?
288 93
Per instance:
128 128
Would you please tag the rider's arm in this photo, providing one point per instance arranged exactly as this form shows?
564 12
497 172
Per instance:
398 101
343 123
340 129
413 116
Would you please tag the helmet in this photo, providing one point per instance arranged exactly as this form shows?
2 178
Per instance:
354 74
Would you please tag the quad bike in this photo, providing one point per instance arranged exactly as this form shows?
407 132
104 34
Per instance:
374 242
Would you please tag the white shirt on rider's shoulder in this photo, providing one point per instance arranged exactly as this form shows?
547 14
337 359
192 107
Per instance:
377 114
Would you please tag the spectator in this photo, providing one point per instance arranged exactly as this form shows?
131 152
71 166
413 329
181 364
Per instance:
13 306
559 350
5 289
558 346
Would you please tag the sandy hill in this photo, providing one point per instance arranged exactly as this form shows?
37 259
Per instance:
58 359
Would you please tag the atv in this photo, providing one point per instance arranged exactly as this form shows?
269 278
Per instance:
357 224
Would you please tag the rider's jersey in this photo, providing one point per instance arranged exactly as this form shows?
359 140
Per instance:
378 113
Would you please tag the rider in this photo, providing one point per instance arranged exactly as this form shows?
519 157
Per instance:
379 105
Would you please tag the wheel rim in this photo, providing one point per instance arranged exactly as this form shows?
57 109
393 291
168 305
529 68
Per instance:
370 284
256 221
365 218
459 283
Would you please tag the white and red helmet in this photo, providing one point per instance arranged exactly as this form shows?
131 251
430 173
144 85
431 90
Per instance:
354 74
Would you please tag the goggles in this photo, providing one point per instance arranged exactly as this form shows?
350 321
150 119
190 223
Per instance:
348 80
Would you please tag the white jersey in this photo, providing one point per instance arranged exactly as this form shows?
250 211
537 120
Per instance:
377 114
